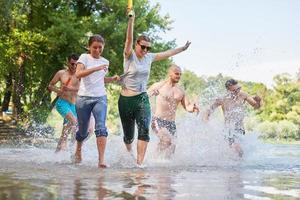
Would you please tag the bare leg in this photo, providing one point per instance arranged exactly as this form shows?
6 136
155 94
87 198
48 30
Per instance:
141 150
62 143
128 147
101 144
70 127
237 147
78 157
165 144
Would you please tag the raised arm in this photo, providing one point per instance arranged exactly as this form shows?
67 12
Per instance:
82 72
129 36
171 52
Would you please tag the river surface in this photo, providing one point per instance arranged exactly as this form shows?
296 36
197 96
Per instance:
203 167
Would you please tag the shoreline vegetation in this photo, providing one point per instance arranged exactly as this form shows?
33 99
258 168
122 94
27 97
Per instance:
281 141
33 50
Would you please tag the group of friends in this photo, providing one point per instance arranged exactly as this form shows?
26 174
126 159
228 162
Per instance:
82 98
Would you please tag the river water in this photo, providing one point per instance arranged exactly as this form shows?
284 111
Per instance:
203 167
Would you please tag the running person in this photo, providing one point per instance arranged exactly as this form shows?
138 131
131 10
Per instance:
65 105
233 107
134 106
91 69
168 96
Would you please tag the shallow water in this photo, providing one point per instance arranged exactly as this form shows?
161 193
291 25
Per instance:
203 167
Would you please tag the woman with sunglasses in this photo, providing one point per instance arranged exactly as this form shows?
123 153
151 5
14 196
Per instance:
134 103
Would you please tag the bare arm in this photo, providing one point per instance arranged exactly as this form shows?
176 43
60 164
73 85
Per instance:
188 106
129 37
153 90
82 72
111 79
217 103
70 88
171 52
54 80
254 101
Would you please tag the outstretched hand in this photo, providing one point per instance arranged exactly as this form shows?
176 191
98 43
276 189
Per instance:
116 78
187 44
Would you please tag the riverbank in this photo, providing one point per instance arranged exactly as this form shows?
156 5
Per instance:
280 141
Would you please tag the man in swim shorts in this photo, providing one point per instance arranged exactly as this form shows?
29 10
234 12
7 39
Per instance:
65 105
168 96
233 107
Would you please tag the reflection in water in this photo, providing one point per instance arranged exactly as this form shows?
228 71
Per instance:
160 184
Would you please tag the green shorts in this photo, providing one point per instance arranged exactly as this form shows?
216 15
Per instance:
135 109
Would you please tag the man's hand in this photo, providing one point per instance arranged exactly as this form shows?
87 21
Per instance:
116 78
155 92
258 100
196 108
60 92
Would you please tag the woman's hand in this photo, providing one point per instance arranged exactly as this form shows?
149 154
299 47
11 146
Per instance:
116 78
186 46
101 67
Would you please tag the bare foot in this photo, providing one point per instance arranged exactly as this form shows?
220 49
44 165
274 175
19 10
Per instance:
102 166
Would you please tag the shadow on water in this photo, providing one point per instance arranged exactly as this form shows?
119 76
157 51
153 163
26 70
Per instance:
203 167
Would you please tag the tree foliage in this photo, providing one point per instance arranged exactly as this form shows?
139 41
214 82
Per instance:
37 36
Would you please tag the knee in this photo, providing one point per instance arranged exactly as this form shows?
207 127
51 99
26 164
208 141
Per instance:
144 137
80 137
127 140
101 132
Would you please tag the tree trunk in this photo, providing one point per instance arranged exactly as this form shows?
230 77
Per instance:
19 86
7 94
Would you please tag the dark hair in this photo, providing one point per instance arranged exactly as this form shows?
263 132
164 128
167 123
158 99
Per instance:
143 37
230 82
96 38
73 56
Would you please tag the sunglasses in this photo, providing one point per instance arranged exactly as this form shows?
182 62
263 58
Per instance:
73 64
237 89
144 47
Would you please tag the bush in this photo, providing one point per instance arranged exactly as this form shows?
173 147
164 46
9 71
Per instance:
278 130
267 129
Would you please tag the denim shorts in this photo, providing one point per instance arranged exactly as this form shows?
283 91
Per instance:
84 107
64 107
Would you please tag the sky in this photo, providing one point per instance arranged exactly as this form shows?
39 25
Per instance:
250 40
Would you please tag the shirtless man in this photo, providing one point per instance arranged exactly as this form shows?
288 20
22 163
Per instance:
65 104
233 106
168 96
